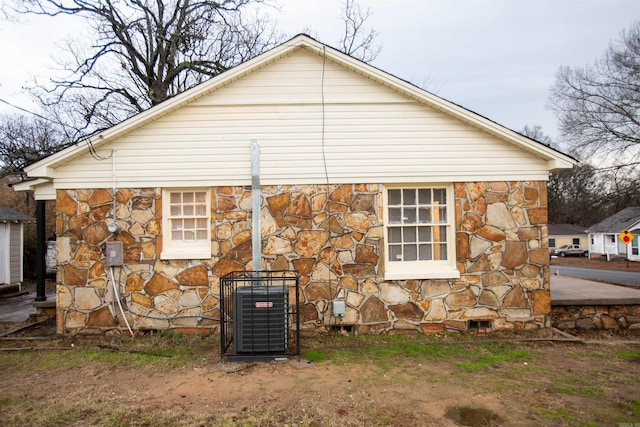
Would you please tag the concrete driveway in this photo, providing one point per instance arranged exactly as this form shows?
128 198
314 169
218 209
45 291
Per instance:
567 290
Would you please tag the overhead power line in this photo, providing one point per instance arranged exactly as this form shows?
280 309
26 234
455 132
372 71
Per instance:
29 112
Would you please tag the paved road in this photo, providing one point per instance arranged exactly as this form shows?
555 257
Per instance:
618 277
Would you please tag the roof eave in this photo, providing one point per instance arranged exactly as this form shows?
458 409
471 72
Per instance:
29 185
556 160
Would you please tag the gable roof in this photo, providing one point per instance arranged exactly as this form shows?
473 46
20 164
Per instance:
618 222
566 229
45 167
7 214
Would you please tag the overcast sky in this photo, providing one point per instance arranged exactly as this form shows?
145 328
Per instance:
497 58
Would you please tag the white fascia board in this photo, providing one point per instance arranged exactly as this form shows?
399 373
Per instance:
38 170
561 164
634 226
42 188
28 185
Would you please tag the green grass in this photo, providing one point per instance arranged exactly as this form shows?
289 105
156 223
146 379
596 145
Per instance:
14 410
627 354
634 406
563 416
552 414
495 357
576 391
383 350
576 386
314 355
161 352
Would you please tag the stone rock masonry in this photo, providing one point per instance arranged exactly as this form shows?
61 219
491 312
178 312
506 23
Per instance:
334 240
596 317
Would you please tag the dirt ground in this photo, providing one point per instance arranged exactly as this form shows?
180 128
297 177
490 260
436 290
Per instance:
500 379
478 380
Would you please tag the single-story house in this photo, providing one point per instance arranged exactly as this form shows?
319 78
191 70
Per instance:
603 236
567 234
414 212
12 246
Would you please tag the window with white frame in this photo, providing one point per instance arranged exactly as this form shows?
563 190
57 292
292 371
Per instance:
419 233
186 224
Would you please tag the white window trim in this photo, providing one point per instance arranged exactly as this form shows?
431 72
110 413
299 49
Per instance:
183 250
407 270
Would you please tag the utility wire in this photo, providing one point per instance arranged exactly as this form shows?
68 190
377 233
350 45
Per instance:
92 149
30 112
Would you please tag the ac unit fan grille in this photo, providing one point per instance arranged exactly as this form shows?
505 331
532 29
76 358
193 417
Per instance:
260 323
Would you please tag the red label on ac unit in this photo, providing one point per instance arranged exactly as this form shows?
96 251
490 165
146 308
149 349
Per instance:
264 304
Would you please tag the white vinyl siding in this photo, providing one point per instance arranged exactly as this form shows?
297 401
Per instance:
370 134
15 252
186 224
11 250
4 254
602 243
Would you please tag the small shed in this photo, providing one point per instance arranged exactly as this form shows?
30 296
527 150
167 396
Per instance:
12 245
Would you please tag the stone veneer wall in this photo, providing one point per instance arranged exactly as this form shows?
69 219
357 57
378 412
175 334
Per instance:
596 317
334 241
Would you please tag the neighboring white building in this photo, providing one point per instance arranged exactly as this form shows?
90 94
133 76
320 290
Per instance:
603 236
12 246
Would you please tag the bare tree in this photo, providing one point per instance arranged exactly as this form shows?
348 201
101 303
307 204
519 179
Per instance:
358 41
599 105
587 194
575 196
535 132
145 51
24 140
620 186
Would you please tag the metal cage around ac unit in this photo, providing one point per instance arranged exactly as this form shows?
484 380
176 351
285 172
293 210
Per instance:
259 315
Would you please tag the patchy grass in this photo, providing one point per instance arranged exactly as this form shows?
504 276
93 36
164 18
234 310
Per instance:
627 354
384 351
314 355
145 353
170 380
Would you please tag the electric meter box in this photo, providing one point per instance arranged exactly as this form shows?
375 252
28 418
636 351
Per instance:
114 254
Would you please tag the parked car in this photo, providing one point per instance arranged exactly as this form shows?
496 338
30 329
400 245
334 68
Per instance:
570 250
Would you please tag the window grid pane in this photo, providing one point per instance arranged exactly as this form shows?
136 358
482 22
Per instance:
426 207
188 216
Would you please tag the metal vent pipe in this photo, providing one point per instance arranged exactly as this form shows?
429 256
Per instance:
256 239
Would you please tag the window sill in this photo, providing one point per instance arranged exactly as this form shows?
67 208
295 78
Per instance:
426 272
185 253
